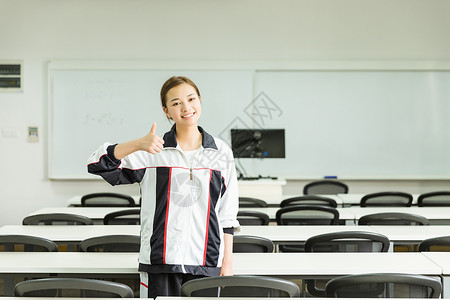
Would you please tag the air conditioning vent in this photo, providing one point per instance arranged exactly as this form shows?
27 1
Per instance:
10 76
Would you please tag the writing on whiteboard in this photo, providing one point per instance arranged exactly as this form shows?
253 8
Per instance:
102 119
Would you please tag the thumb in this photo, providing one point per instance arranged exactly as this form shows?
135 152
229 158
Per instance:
153 130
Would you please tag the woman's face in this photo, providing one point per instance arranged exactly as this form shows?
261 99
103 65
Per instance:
183 105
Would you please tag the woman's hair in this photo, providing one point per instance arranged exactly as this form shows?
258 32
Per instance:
173 82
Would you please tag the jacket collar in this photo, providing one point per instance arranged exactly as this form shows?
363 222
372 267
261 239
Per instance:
170 139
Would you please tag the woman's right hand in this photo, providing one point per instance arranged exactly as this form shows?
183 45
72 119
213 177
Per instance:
152 143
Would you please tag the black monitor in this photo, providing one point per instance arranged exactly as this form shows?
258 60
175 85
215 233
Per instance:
258 143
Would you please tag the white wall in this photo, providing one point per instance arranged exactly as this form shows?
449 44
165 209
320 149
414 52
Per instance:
37 31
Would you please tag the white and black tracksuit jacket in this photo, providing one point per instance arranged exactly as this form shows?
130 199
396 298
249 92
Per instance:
185 209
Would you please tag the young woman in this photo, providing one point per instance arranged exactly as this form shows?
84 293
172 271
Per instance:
189 194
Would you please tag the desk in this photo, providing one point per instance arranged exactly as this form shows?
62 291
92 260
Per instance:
442 259
75 234
278 234
95 213
83 264
438 215
69 233
247 189
290 265
349 214
414 235
265 189
305 265
326 265
268 190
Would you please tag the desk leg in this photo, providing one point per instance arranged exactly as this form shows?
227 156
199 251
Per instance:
8 287
445 286
350 222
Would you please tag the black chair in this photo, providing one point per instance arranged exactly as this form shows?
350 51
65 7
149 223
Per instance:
240 286
387 199
123 217
393 219
57 219
251 202
344 241
383 285
441 198
305 215
436 244
309 200
111 243
252 244
325 187
247 217
107 200
72 287
27 243
348 241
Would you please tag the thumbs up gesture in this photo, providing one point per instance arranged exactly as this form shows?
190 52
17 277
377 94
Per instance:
151 142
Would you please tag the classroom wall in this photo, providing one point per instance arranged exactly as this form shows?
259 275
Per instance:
37 31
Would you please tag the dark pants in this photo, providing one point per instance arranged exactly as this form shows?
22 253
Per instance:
167 284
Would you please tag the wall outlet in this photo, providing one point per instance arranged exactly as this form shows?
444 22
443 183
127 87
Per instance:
33 135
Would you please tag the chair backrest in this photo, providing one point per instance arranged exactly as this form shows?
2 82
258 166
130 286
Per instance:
26 243
252 244
310 200
65 287
387 199
383 285
325 187
107 199
248 217
344 241
251 202
123 217
348 241
441 198
57 219
111 243
240 286
307 215
393 219
436 244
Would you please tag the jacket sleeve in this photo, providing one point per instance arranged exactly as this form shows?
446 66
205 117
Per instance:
130 169
230 197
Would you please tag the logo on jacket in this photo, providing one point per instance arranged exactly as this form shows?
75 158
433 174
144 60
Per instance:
184 191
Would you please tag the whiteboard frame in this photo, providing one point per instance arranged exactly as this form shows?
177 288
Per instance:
249 65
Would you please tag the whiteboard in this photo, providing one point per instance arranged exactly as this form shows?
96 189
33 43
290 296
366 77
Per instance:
350 123
90 106
360 124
